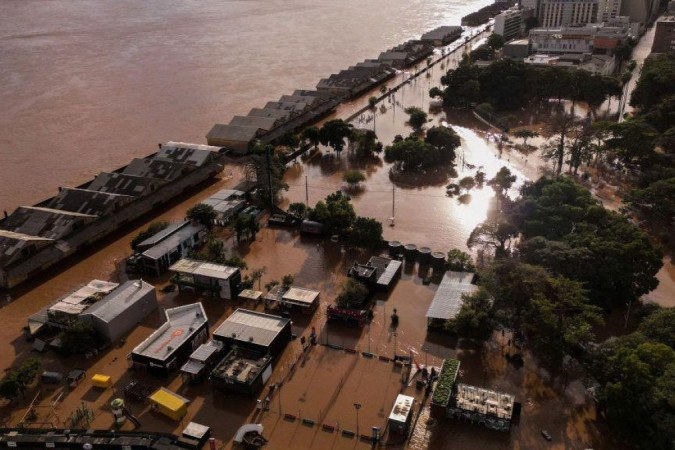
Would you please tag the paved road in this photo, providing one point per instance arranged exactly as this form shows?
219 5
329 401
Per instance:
640 53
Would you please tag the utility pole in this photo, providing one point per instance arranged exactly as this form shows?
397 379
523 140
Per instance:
306 192
268 151
393 205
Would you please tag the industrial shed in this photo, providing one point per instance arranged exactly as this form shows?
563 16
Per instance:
121 310
256 331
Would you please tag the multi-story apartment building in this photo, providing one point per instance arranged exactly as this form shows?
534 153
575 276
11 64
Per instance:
557 13
664 37
608 10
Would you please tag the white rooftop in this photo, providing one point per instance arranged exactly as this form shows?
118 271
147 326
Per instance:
402 408
448 299
181 323
119 300
252 326
83 297
300 296
204 269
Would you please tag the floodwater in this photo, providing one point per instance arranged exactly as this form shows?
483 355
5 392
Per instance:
87 85
158 74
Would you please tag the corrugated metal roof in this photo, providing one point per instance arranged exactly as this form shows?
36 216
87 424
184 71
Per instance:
85 201
448 299
173 241
181 152
251 326
119 300
300 296
205 269
154 168
206 351
45 222
232 133
264 123
163 234
122 183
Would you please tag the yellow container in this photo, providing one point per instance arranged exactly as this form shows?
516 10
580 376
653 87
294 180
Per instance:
101 381
169 403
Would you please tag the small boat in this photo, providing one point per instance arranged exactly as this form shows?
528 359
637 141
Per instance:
546 435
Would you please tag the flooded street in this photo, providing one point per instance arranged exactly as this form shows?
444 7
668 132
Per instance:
162 74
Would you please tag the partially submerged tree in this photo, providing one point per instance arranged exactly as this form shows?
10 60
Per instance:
334 132
366 233
203 214
417 118
353 178
502 181
353 295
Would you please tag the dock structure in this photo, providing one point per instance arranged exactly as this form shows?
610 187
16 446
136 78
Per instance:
168 347
259 332
449 297
378 273
217 280
485 407
442 35
34 238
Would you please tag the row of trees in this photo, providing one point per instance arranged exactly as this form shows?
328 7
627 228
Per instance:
337 133
650 136
508 85
338 217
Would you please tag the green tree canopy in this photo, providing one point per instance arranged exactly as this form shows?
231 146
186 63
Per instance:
353 295
417 118
353 177
366 233
495 41
336 213
334 132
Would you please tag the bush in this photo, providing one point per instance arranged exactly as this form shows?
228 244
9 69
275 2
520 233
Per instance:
201 213
353 177
446 381
353 294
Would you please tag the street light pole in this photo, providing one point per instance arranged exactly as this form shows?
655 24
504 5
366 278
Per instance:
357 406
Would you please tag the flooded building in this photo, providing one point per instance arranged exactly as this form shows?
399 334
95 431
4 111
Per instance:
201 362
448 299
357 79
168 347
259 332
234 137
243 371
168 246
443 35
34 238
226 203
122 310
66 310
491 409
217 280
378 273
113 310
